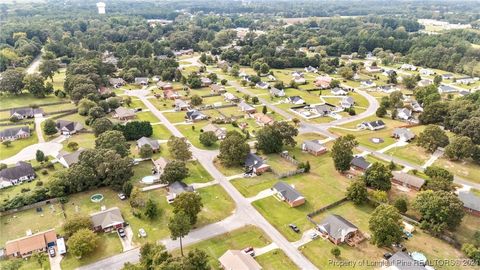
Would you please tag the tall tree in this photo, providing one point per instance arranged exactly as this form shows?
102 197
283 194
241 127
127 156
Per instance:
432 137
179 226
12 81
357 192
190 203
385 225
175 170
378 176
233 149
49 127
113 140
459 148
82 242
179 148
75 223
342 152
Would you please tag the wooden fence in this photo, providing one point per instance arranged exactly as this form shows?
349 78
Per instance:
30 206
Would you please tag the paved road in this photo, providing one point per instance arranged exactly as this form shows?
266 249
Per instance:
244 211
28 153
33 68
38 128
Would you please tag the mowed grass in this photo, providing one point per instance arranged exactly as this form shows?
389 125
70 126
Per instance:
251 186
17 145
108 245
175 117
147 116
239 239
160 132
25 264
198 174
411 153
217 205
58 79
465 168
275 260
25 99
84 140
15 225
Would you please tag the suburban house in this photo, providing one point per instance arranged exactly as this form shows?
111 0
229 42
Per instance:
368 83
402 261
323 82
271 78
389 88
426 72
205 81
170 94
425 82
416 107
287 193
403 134
471 202
347 102
183 52
337 91
263 119
164 85
404 113
30 244
324 109
314 147
20 173
141 81
218 88
297 74
247 108
116 82
277 92
373 125
311 69
176 188
407 180
359 163
339 230
229 97
373 69
66 127
445 89
122 113
297 100
221 133
238 260
15 133
262 85
68 159
447 76
24 113
147 141
195 115
299 79
388 72
107 220
466 80
181 105
255 164
408 67
159 165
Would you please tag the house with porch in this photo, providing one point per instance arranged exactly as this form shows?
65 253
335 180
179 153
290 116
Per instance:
314 147
141 81
339 230
255 164
21 172
66 127
407 180
124 114
195 115
147 141
15 133
107 220
221 133
289 194
25 113
176 188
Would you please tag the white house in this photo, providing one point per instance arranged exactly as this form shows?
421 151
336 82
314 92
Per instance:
404 114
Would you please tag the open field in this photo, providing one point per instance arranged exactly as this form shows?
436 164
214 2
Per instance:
466 168
85 140
25 99
411 153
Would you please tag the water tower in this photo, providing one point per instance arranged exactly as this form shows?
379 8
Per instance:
101 7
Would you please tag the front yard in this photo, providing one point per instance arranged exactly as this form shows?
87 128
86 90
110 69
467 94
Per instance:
466 168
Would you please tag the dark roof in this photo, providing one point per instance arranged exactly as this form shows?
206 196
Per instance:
26 111
107 218
253 160
145 140
408 179
360 162
11 132
20 170
194 114
295 98
68 125
179 187
470 200
314 145
337 227
377 123
403 261
287 191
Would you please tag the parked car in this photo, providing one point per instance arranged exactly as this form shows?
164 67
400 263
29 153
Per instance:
122 196
313 235
250 251
387 255
121 233
294 228
142 232
51 251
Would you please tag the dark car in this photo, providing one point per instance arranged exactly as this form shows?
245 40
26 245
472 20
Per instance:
250 251
387 255
294 228
122 233
51 251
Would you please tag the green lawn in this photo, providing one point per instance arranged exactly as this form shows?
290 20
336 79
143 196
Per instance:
137 103
193 135
198 174
85 140
279 164
228 171
466 169
175 117
15 225
411 153
17 145
237 240
275 260
109 244
160 132
253 185
58 79
217 205
25 99
24 264
147 116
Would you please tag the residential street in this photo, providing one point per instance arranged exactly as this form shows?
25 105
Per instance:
28 153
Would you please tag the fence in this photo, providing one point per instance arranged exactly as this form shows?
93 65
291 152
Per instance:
211 95
67 112
37 105
288 158
323 209
17 123
288 174
70 111
30 206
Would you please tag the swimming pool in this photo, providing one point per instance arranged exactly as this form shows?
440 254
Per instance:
149 179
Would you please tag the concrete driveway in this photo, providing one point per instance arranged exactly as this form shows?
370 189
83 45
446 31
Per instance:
55 261
127 242
28 153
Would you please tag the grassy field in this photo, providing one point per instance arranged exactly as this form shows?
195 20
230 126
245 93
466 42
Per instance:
275 260
228 171
217 205
160 132
25 99
465 169
85 140
15 225
237 240
253 185
147 116
411 153
198 174
24 264
175 117
108 245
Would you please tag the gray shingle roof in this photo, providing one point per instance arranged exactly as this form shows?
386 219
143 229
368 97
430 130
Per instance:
66 125
145 140
360 162
107 218
12 132
20 170
287 191
313 145
178 187
29 112
470 200
406 178
403 261
253 160
337 227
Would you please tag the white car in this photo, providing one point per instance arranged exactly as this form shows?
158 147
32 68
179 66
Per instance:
313 235
142 232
